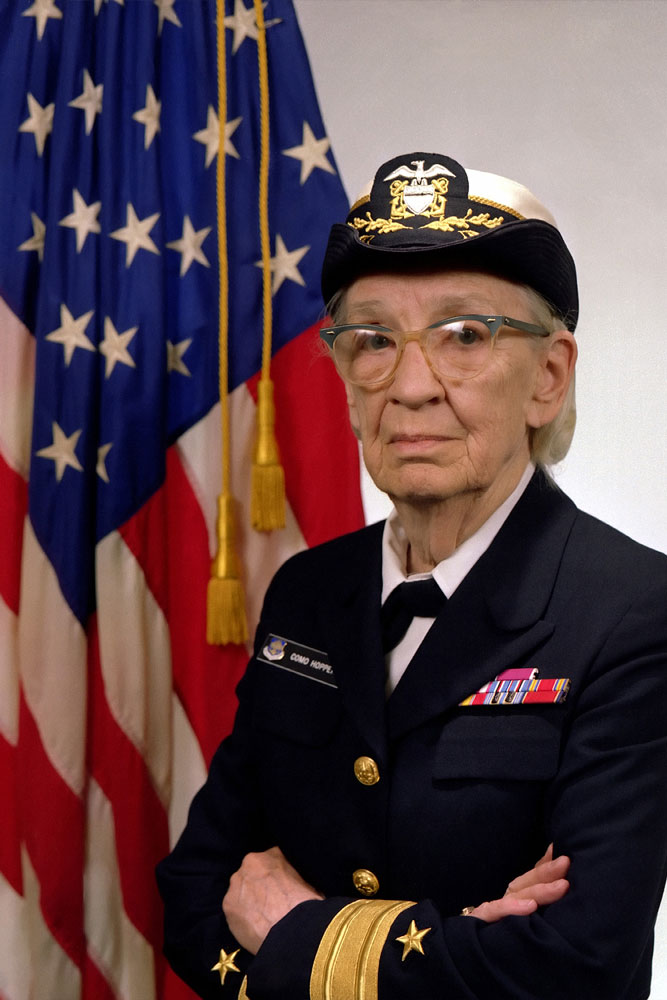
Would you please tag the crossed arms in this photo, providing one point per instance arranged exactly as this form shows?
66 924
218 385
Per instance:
266 887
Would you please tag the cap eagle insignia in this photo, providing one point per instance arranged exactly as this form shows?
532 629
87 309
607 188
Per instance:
418 194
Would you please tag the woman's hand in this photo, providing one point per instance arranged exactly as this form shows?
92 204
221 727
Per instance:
543 884
261 892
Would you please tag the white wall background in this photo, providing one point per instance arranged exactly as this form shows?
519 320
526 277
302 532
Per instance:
570 98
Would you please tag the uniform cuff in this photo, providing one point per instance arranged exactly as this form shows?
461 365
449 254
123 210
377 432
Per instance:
322 949
282 966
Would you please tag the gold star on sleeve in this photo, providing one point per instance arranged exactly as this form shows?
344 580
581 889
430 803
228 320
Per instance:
226 964
412 941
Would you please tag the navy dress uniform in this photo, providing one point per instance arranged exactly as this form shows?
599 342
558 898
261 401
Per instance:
534 711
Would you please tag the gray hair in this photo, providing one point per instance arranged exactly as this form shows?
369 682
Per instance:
551 443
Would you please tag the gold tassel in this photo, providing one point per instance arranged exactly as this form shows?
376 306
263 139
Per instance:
267 495
225 604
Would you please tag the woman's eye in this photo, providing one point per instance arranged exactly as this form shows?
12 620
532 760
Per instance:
377 342
467 336
372 341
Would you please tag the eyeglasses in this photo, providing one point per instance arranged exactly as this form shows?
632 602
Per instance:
458 347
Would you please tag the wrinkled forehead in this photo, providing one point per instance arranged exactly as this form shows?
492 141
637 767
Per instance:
434 292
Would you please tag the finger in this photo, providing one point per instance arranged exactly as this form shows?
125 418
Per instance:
257 864
547 856
545 871
274 852
508 906
543 893
521 905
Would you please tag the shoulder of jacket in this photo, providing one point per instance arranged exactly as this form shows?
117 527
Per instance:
336 555
610 554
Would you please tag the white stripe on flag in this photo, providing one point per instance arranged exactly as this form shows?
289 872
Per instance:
189 769
52 972
52 658
17 390
120 952
260 553
14 953
135 655
9 681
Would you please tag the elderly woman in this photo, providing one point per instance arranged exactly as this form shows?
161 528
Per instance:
438 701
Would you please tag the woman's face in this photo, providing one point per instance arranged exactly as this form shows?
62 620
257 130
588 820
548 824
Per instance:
427 438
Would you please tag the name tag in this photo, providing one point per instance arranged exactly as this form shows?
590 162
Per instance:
297 659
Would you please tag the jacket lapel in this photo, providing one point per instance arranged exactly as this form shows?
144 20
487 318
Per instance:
495 618
351 626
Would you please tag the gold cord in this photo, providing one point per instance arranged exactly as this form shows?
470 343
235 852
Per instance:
267 497
225 602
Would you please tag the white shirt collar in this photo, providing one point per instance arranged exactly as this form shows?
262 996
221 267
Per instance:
449 573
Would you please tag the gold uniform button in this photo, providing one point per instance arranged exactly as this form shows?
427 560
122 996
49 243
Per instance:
365 882
366 771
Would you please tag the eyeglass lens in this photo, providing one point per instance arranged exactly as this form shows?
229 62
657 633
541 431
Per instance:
458 349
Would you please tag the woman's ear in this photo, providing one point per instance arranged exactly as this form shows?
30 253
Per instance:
555 371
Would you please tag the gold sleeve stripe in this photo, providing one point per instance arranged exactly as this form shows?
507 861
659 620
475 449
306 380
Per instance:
366 979
328 953
347 963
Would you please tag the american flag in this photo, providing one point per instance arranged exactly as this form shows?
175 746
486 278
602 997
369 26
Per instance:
111 702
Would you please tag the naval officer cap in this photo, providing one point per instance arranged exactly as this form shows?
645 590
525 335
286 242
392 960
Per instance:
424 210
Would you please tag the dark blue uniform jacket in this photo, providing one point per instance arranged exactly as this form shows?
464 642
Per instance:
468 797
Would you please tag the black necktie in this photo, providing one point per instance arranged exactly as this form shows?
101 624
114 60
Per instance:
419 598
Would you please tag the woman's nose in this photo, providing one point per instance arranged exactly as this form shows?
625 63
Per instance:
414 381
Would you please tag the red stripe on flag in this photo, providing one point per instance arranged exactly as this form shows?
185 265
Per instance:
176 563
52 825
13 507
95 986
10 853
140 822
317 447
